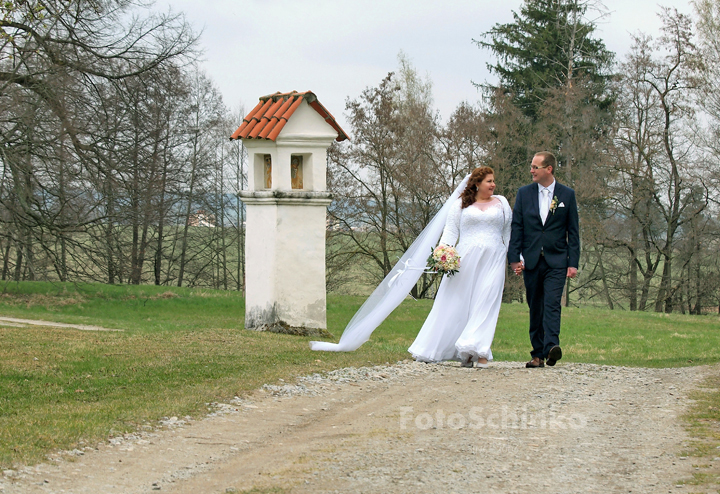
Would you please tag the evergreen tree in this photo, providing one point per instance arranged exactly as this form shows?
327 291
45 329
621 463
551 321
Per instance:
553 94
549 45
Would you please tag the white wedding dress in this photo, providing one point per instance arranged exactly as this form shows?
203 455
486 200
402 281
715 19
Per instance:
465 312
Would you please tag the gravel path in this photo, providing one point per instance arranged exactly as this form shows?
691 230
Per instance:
408 428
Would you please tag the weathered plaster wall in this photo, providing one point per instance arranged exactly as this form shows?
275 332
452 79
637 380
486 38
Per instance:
285 260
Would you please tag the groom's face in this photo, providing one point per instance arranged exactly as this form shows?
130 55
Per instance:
540 173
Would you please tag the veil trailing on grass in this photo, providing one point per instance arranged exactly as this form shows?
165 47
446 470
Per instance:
396 285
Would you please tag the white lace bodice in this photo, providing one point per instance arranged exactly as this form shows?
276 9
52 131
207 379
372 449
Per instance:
474 226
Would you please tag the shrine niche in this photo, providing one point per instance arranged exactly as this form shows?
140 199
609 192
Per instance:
267 171
296 172
286 137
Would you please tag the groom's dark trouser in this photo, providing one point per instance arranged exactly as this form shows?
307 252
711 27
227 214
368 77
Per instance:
543 288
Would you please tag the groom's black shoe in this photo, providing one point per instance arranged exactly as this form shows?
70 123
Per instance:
535 363
554 355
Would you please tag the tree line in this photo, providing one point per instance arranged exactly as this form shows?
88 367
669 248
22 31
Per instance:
117 168
116 163
637 138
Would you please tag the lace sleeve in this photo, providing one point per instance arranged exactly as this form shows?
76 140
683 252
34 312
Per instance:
452 225
507 225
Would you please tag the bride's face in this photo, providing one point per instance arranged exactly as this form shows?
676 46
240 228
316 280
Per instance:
486 187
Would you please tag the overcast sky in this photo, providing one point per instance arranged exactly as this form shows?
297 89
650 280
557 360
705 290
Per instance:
336 48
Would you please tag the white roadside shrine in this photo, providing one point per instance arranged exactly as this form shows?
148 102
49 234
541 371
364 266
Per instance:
286 137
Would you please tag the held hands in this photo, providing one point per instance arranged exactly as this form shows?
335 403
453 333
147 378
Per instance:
517 267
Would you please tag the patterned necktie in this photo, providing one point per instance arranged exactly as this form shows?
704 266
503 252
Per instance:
544 206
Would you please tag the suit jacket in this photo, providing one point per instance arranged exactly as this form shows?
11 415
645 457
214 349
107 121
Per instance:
558 238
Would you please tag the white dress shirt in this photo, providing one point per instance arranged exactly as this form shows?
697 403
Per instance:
546 206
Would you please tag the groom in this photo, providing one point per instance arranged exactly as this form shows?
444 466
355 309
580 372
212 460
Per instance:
545 248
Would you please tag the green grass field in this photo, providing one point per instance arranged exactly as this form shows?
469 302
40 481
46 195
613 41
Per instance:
182 348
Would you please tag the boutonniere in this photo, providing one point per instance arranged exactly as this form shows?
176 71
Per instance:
553 205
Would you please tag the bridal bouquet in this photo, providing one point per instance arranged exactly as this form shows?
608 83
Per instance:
444 259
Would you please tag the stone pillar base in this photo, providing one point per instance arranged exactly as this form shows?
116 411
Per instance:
285 268
284 328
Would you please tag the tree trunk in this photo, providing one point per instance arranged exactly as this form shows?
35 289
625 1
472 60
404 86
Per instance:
157 263
606 289
188 210
18 262
664 297
135 216
110 220
645 292
6 260
698 290
62 268
633 281
682 292
223 247
241 220
29 260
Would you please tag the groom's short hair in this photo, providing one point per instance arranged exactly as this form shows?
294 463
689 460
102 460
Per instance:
548 159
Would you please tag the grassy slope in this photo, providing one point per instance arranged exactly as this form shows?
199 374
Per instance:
588 335
182 348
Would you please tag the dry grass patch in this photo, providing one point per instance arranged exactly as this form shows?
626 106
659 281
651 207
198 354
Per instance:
49 302
703 423
264 490
165 295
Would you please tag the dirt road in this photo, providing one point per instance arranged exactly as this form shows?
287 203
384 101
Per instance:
409 427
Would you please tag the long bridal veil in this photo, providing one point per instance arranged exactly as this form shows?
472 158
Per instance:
396 285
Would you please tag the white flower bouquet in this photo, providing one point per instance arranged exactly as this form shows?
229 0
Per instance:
444 259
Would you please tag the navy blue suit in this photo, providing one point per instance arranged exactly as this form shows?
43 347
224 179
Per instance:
548 250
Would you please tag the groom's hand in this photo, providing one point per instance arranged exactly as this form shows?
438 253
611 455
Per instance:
517 267
572 272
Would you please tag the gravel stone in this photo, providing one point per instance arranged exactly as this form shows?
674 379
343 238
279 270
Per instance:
406 428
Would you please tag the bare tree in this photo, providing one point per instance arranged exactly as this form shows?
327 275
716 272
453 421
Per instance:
659 190
365 208
389 181
237 181
205 116
671 78
58 60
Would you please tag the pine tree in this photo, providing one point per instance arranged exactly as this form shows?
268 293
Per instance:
549 45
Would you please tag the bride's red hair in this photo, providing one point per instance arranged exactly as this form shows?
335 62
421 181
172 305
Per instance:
477 176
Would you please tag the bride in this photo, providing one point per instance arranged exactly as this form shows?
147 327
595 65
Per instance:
461 324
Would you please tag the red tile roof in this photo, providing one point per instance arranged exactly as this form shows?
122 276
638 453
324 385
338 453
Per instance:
268 118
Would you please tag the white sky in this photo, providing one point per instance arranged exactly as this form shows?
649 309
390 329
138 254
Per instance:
336 48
